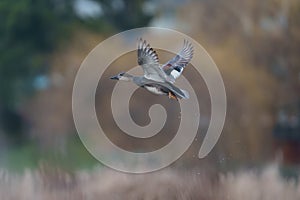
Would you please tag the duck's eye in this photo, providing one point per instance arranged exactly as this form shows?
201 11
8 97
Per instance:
121 74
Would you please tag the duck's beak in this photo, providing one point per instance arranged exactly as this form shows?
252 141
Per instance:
114 77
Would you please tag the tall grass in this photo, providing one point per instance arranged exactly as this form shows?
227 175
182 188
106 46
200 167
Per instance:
51 183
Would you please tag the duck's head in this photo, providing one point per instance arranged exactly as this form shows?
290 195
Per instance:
123 76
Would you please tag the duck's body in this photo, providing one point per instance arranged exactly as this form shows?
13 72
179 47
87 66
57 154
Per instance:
161 88
158 79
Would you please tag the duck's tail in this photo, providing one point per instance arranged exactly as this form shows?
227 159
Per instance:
185 94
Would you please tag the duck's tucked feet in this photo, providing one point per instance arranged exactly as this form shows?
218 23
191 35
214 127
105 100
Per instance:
172 96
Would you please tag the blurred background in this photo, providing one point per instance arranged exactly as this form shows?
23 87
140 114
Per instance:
255 44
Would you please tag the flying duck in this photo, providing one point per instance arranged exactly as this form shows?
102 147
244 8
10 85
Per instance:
159 79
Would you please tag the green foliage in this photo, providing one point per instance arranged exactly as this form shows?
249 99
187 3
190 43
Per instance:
19 158
125 14
30 156
29 30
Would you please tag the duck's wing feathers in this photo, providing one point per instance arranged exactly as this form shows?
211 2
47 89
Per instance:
174 67
148 60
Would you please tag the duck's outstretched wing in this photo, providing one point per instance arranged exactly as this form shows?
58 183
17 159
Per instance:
174 67
148 60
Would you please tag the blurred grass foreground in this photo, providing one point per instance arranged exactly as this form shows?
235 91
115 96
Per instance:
255 44
165 184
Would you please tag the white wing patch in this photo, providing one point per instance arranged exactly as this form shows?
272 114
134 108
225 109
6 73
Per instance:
176 73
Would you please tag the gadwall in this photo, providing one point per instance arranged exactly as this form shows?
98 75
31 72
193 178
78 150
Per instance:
160 79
